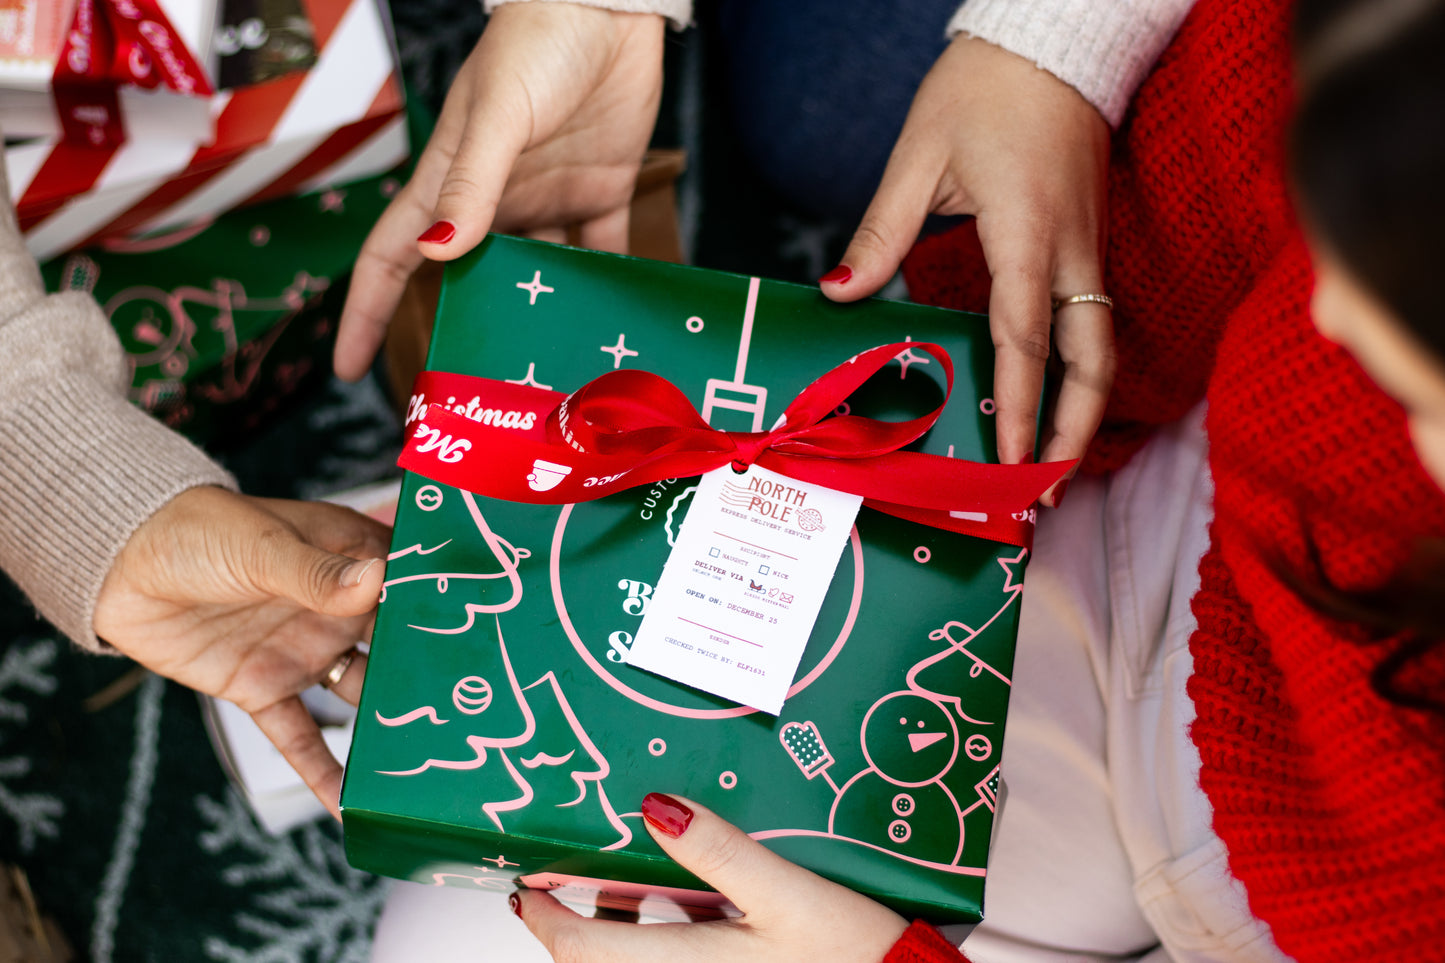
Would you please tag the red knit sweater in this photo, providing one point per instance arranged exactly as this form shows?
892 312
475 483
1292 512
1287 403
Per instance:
1331 800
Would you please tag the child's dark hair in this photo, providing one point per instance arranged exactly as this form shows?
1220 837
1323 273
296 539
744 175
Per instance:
1368 147
1367 158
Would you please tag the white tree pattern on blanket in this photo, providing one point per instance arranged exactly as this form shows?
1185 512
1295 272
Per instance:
303 901
23 671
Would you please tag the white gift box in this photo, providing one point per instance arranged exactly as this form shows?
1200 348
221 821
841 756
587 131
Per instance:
339 121
30 46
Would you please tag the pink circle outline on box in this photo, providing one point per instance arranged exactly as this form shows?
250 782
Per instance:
658 705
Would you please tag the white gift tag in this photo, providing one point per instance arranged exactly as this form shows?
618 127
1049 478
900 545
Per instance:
741 590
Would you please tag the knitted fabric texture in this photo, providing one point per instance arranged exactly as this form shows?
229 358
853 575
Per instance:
921 943
1330 800
1190 148
80 467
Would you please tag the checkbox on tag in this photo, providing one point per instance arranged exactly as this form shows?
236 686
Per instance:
712 553
763 570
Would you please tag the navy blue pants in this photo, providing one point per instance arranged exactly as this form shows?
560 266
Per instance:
820 89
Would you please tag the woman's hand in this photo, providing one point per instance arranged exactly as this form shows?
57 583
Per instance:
544 128
788 913
990 134
251 600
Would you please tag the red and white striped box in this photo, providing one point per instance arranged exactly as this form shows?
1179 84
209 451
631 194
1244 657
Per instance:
339 121
33 41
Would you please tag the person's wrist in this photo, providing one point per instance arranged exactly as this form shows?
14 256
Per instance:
599 30
141 548
1060 89
1101 50
579 14
678 12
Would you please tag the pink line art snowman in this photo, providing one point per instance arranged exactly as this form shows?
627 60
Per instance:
911 740
899 802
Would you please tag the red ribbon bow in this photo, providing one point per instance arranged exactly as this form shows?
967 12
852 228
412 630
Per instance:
628 428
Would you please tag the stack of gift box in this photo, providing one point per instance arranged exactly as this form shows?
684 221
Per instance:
239 109
97 72
217 214
506 735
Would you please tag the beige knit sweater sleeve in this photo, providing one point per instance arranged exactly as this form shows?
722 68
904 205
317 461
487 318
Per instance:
80 467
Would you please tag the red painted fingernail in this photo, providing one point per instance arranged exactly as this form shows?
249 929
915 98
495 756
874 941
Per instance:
515 902
1059 492
439 233
839 275
666 814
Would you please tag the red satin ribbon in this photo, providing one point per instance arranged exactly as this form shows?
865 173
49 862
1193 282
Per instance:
142 24
628 428
85 96
114 42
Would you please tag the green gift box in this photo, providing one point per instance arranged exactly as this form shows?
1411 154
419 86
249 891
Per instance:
503 737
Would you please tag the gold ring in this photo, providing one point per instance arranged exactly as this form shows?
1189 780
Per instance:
1103 299
338 668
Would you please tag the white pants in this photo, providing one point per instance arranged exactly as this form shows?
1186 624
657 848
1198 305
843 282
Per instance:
1103 849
